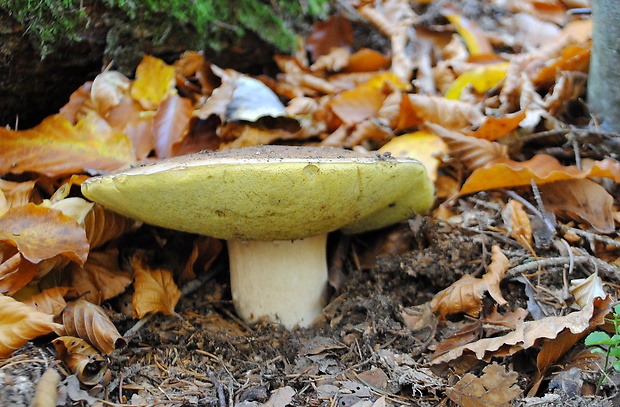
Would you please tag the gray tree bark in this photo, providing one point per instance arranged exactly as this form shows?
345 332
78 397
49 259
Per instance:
604 76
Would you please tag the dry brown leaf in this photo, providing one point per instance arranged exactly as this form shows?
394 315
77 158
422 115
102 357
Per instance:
41 233
582 200
102 225
100 278
56 147
495 387
50 301
334 32
356 105
15 273
367 60
336 60
518 223
471 151
450 114
154 82
542 168
171 124
529 334
15 194
155 290
75 108
465 295
82 359
497 127
19 323
91 323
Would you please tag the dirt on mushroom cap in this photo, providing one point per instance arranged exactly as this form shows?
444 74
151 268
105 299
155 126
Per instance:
261 193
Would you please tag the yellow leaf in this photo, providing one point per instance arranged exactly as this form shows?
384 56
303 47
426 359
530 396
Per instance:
421 145
155 290
477 43
481 79
19 323
154 82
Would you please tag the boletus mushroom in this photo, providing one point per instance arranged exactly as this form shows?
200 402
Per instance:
274 205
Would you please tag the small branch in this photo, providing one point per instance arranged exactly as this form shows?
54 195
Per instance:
607 269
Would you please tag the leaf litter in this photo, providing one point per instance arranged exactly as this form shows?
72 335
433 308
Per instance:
485 301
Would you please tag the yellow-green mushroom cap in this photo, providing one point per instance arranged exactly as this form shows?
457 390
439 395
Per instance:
267 192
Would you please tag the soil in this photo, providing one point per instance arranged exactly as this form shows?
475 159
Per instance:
360 353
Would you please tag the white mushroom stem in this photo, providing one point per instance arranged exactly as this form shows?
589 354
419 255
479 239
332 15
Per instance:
281 281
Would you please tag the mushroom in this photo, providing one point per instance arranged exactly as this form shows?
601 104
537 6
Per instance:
274 205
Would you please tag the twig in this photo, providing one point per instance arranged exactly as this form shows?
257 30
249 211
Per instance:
590 235
609 270
221 396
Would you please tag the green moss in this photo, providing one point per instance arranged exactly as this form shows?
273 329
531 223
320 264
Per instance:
216 22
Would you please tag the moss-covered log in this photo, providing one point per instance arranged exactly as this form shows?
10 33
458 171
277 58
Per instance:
50 47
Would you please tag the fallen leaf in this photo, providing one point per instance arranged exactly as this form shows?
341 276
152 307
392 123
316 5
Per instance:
426 147
367 60
50 301
471 151
481 79
494 128
100 278
582 200
355 105
45 393
465 295
517 222
56 147
450 114
154 82
91 323
331 33
495 387
20 323
155 290
171 124
542 169
108 90
529 334
82 359
41 233
585 290
475 39
15 194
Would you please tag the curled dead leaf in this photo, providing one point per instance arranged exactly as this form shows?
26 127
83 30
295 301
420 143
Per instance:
90 322
155 290
465 295
517 222
82 359
20 323
50 301
495 387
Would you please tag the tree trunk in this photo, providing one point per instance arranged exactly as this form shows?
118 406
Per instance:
604 76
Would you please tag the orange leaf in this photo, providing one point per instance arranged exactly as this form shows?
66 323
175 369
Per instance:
154 82
155 290
15 194
19 323
56 147
91 323
572 58
496 127
465 295
367 60
41 233
542 168
355 105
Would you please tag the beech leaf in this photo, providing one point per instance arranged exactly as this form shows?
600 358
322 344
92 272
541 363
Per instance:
56 147
41 233
81 358
465 295
155 290
495 387
20 323
154 82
